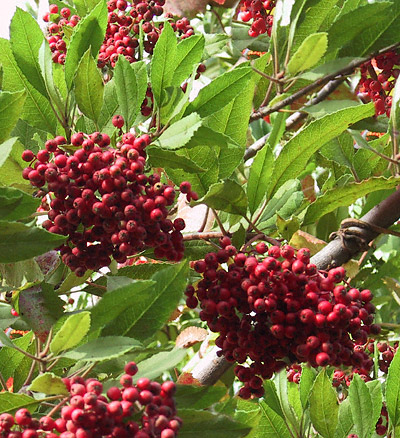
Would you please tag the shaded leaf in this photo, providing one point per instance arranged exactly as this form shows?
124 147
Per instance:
163 62
227 196
37 110
11 107
393 390
188 55
130 86
89 87
15 204
104 348
26 38
20 242
88 33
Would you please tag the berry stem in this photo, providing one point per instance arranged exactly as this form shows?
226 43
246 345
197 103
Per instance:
220 224
3 382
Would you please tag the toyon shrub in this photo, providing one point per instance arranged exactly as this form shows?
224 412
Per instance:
145 409
104 201
272 306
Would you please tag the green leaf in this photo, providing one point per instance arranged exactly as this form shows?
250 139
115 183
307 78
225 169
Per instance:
220 92
179 133
203 423
49 384
72 280
167 159
109 108
284 203
20 242
198 397
324 407
323 108
308 375
48 68
345 195
375 390
214 44
89 87
115 303
361 407
311 50
83 7
71 332
340 150
37 110
163 62
11 106
150 309
89 32
281 384
159 363
15 204
356 41
345 422
26 38
271 424
206 158
188 55
12 165
297 151
258 181
227 196
311 20
10 402
271 397
131 85
9 356
393 390
104 348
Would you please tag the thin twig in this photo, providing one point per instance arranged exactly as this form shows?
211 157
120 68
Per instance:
262 112
264 75
295 118
203 236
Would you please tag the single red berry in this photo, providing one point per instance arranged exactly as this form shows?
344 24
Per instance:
28 155
118 121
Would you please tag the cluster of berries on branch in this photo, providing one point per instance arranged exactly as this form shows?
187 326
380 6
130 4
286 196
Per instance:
103 200
142 410
59 19
126 20
272 307
260 12
378 77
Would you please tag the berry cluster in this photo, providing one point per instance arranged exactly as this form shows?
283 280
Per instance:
59 19
142 410
125 22
378 77
102 199
387 353
261 13
275 305
382 424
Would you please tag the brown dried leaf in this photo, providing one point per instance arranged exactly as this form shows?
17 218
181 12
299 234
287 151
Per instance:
187 379
191 336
